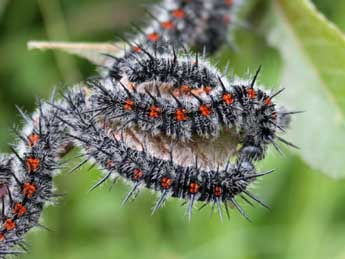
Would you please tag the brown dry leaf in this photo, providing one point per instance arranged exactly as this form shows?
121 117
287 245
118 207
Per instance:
93 52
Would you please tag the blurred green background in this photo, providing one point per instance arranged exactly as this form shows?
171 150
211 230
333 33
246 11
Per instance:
307 216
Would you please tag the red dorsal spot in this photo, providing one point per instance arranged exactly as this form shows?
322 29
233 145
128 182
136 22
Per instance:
207 89
154 111
129 105
228 99
2 237
136 49
33 139
204 110
217 191
29 189
194 188
229 2
32 164
19 209
137 174
268 101
185 89
251 93
181 115
166 182
168 25
179 13
9 224
274 115
153 37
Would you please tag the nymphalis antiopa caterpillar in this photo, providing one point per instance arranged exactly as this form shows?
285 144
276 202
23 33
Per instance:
112 150
201 25
26 176
160 118
198 24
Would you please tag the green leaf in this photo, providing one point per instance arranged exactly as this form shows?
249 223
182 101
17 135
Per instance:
313 51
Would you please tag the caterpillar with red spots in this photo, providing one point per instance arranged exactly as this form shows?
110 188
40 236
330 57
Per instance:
26 176
118 157
180 98
161 118
198 24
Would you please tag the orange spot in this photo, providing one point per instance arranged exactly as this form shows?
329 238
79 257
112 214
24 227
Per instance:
204 110
228 99
29 189
268 101
194 188
228 2
181 115
32 164
154 111
137 174
33 139
185 89
19 209
168 25
136 49
153 36
217 191
2 237
207 89
251 93
166 182
129 105
9 224
179 13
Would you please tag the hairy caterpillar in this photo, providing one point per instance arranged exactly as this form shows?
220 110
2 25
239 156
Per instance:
191 183
26 176
181 99
138 121
198 24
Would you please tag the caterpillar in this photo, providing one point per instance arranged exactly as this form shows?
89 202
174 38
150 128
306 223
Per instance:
181 99
191 183
184 97
26 176
153 119
198 24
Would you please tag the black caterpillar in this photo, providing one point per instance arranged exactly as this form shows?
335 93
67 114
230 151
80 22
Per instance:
159 117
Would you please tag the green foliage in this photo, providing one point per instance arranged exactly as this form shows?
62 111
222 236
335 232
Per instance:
299 49
313 51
